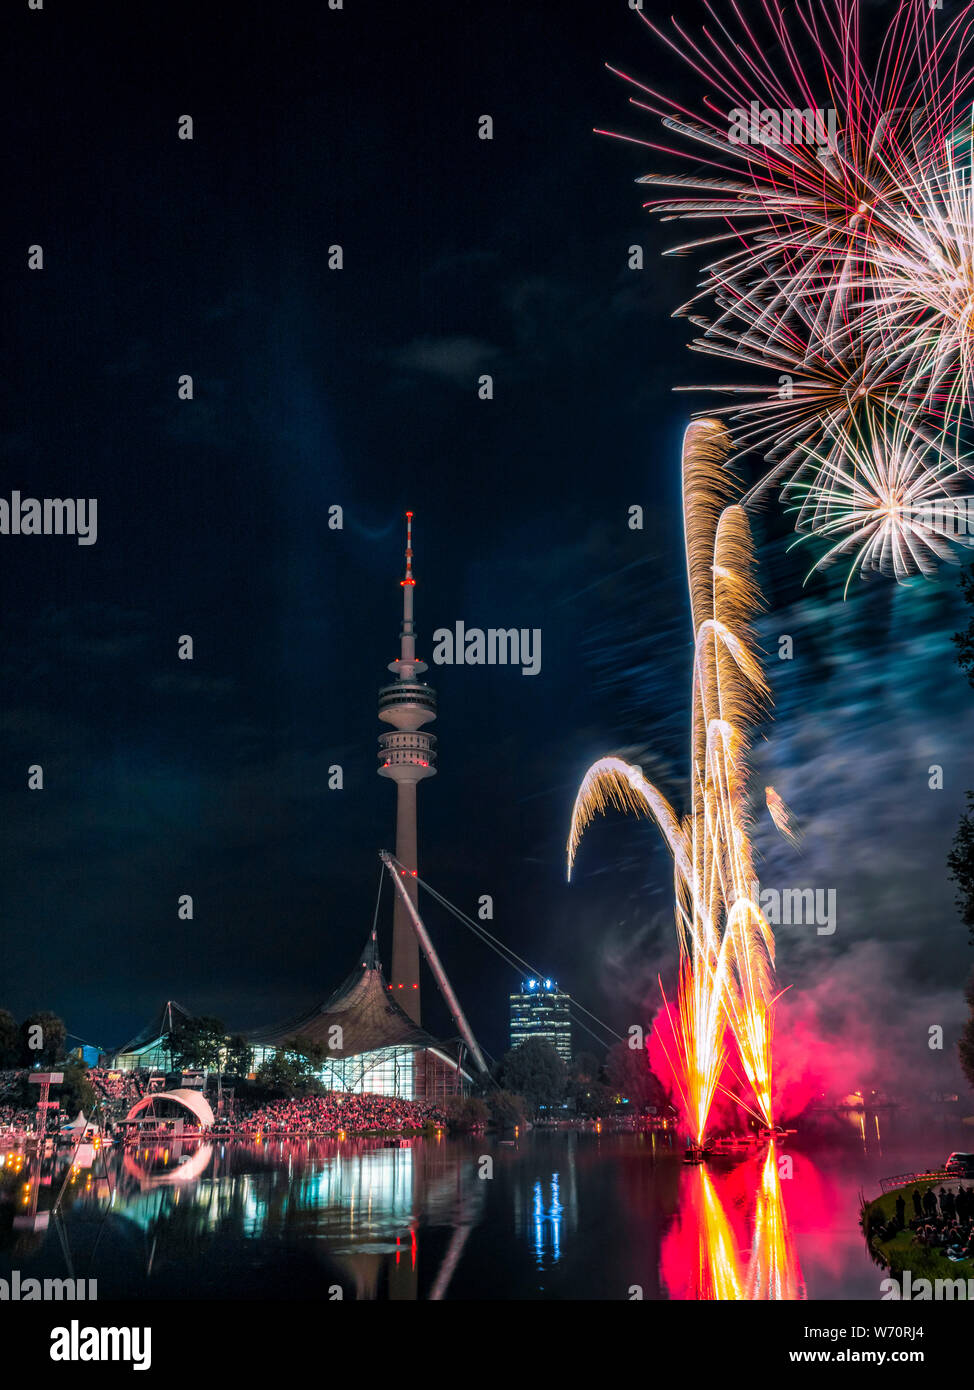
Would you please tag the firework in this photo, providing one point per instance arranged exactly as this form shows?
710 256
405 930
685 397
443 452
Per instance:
884 502
726 946
843 259
918 290
782 816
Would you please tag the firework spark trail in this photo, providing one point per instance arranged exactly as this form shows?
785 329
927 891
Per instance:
782 816
845 259
726 971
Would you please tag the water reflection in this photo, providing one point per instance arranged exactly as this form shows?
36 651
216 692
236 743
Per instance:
738 1248
547 1222
556 1215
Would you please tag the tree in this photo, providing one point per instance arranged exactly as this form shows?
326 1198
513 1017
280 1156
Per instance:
965 1047
535 1071
9 1039
506 1109
42 1036
629 1074
582 1083
77 1092
960 863
465 1113
240 1055
293 1070
964 641
314 1054
197 1042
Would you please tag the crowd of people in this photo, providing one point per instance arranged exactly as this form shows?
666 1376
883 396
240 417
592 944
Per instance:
117 1092
15 1117
334 1112
942 1220
119 1089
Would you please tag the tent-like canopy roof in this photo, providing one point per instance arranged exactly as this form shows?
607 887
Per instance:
193 1101
363 1007
162 1023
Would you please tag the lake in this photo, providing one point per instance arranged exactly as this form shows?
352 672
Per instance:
558 1214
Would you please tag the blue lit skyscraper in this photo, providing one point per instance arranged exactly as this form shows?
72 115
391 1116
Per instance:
540 1010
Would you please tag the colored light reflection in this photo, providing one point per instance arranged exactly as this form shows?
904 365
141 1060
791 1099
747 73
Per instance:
731 1241
546 1222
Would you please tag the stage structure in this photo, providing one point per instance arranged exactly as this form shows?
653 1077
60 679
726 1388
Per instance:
170 1111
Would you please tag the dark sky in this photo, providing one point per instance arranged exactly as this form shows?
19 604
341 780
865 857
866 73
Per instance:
315 387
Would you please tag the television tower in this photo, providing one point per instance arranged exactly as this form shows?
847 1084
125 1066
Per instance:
407 756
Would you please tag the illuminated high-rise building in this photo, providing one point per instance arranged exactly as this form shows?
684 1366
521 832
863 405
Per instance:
540 1010
407 755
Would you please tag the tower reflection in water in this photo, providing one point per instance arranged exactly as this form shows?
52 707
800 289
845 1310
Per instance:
734 1249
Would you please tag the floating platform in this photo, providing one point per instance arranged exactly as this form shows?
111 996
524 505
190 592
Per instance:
729 1142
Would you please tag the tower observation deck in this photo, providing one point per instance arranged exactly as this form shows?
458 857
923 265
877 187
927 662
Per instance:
406 755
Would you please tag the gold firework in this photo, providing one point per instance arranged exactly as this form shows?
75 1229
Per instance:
726 974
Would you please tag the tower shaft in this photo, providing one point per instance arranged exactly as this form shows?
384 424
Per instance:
405 946
406 757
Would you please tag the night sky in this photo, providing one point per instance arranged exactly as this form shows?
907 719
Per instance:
357 387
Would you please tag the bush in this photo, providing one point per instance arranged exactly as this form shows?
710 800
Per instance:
507 1109
464 1113
534 1070
77 1092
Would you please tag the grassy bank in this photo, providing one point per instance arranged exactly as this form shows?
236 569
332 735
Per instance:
899 1254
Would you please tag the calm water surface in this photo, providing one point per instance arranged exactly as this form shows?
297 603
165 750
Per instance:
565 1215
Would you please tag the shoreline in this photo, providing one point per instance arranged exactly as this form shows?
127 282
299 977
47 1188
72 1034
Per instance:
900 1255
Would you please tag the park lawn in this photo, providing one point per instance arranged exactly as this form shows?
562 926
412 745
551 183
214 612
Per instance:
900 1253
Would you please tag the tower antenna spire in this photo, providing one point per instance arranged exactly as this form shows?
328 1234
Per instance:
409 550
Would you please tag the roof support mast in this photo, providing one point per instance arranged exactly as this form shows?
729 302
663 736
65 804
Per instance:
396 873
